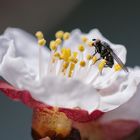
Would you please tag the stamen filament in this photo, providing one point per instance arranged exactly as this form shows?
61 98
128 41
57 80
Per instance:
71 70
94 59
41 43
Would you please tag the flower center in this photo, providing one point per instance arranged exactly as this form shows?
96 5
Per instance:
67 61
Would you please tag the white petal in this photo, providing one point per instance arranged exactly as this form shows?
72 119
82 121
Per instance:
13 69
26 46
19 56
58 91
130 108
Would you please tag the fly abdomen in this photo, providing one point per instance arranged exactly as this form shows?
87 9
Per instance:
110 61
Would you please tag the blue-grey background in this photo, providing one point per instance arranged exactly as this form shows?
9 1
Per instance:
118 20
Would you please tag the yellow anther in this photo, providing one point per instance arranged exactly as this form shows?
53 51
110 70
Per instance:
57 54
39 35
82 63
59 34
81 48
73 59
75 54
53 45
41 42
63 49
101 65
66 53
90 43
117 67
58 41
94 59
66 35
84 39
89 57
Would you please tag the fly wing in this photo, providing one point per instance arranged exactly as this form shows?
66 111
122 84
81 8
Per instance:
118 60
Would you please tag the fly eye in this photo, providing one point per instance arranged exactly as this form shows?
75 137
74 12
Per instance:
94 39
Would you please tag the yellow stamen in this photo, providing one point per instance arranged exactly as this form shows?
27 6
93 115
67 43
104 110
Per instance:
81 48
84 39
59 34
58 41
64 67
94 59
75 54
39 35
82 63
101 65
117 67
41 42
89 57
90 43
73 59
57 54
72 66
66 53
53 45
66 35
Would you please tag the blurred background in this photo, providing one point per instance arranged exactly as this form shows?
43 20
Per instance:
118 21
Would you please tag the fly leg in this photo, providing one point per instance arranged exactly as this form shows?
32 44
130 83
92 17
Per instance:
105 63
108 64
94 60
94 53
